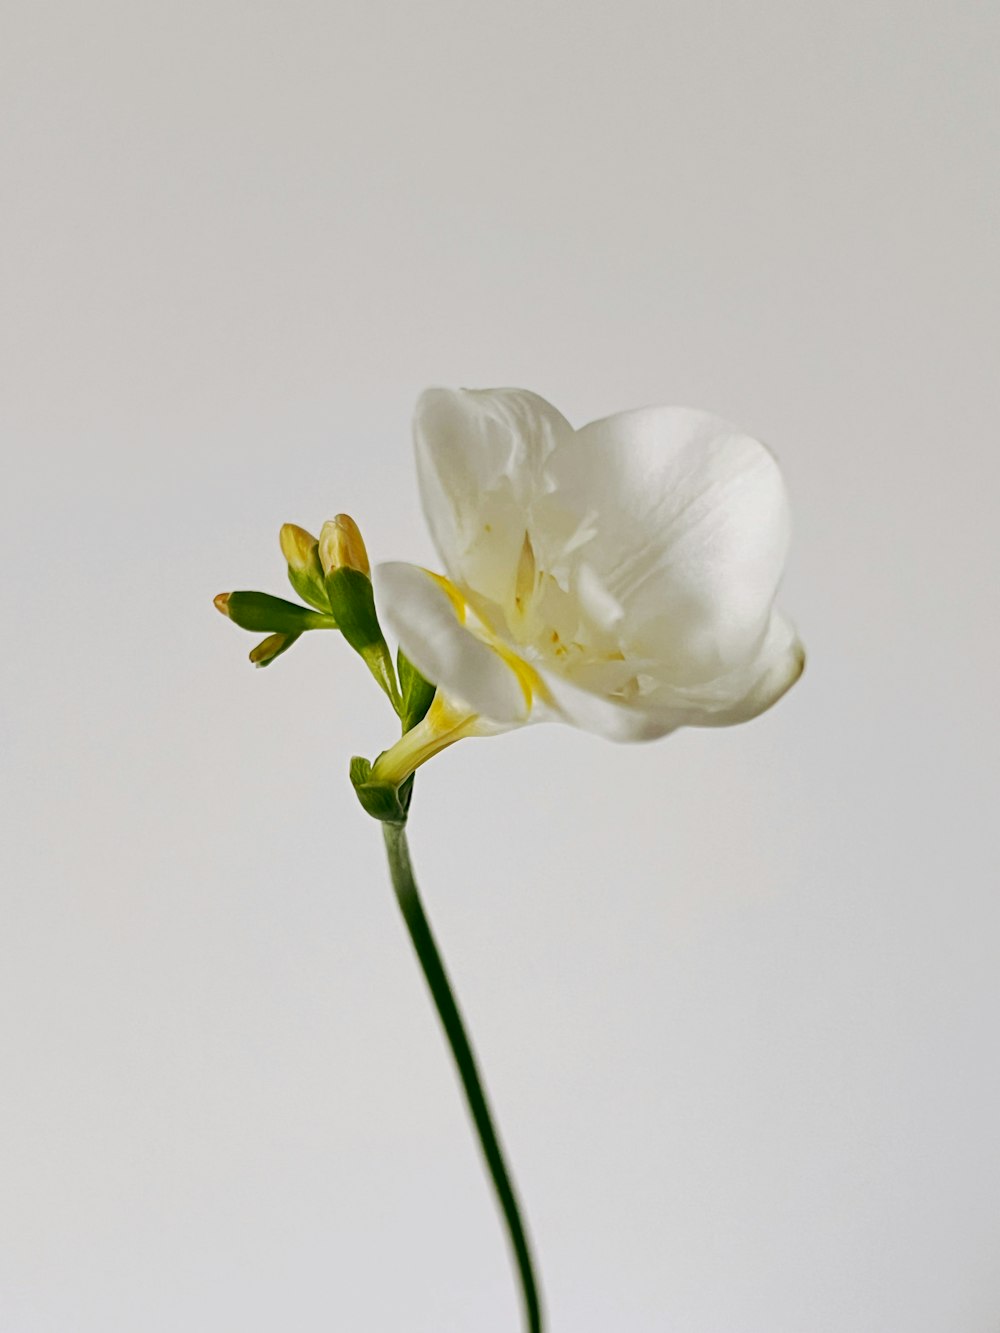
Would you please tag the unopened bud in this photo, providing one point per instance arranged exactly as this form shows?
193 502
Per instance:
305 573
352 601
270 648
341 546
297 545
261 611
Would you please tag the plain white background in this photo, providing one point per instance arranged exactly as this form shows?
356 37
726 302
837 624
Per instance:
737 992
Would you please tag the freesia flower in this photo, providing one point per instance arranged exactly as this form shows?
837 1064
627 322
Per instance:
620 577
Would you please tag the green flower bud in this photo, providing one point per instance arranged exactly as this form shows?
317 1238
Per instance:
305 573
353 604
261 611
344 561
270 648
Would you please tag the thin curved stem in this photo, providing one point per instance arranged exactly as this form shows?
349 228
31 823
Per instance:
451 1020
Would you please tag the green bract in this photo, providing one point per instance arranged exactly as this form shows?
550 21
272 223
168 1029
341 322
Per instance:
416 691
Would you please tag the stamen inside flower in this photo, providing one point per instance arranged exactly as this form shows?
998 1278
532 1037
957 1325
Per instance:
525 578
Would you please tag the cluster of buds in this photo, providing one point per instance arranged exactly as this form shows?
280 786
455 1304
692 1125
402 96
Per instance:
332 574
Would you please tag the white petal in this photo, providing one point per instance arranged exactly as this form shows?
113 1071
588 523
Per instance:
481 457
692 528
610 718
424 619
779 665
738 697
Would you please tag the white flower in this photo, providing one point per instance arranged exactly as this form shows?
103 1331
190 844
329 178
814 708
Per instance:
620 577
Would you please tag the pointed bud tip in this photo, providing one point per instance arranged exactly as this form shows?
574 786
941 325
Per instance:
222 602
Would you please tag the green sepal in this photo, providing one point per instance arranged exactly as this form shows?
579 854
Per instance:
271 647
417 692
261 611
310 586
352 602
377 799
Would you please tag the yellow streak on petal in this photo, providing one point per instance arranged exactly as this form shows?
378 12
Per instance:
528 678
458 602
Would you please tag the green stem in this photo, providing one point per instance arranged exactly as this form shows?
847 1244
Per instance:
451 1020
